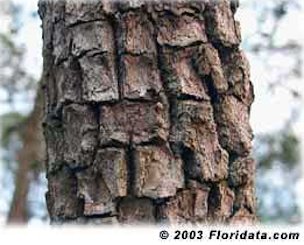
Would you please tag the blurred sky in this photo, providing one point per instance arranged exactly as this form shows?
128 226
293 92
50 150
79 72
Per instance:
269 111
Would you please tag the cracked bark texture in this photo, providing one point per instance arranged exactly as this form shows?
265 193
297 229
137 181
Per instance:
147 113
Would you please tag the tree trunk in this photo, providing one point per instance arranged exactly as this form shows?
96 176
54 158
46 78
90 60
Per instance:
30 159
147 113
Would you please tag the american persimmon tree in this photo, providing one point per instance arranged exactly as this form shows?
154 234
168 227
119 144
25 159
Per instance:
147 112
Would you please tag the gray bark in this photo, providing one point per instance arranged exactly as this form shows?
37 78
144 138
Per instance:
147 113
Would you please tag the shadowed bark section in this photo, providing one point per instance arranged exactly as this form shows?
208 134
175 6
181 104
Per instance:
147 112
101 184
62 201
195 132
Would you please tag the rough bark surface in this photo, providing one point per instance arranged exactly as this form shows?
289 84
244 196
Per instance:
147 113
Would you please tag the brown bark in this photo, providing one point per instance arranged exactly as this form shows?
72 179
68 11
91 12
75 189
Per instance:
147 114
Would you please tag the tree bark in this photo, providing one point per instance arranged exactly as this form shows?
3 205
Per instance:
147 113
